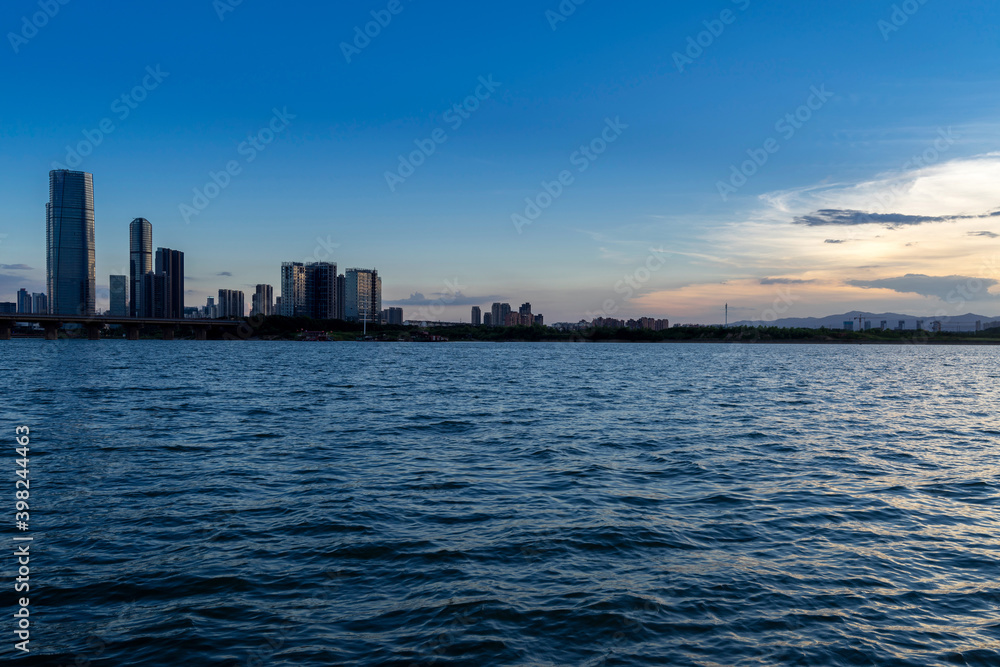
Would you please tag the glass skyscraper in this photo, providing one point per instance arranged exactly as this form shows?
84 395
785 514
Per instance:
69 243
140 240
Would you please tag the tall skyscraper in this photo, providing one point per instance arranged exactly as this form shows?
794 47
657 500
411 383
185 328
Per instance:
262 302
119 296
362 295
171 263
69 240
293 289
477 316
321 291
231 303
140 236
24 305
39 303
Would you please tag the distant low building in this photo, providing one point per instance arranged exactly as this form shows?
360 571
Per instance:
8 308
119 295
393 316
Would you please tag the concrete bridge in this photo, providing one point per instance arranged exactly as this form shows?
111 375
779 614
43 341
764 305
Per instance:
94 325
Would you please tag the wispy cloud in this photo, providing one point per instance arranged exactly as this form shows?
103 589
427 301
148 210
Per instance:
16 267
941 287
784 281
441 298
848 218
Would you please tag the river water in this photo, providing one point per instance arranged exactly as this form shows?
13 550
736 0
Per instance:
197 503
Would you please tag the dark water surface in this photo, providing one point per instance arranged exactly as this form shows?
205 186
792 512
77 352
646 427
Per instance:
204 503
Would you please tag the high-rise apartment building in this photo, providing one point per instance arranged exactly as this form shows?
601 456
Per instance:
321 291
487 319
341 291
293 289
171 264
140 243
500 313
525 318
230 303
39 303
69 243
119 295
262 302
362 295
477 316
24 305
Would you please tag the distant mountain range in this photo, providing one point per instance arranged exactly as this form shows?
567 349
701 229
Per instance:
965 322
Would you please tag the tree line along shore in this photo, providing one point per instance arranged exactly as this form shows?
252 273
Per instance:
302 329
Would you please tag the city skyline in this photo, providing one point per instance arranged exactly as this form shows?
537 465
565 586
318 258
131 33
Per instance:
658 174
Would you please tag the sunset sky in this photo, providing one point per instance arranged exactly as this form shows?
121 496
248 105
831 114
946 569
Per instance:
781 157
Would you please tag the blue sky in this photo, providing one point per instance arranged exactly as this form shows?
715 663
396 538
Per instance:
639 229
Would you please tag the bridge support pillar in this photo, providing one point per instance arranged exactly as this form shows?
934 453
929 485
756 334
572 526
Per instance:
201 333
132 331
5 328
51 331
94 332
168 331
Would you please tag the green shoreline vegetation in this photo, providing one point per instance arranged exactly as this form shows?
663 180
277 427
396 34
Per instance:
301 328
